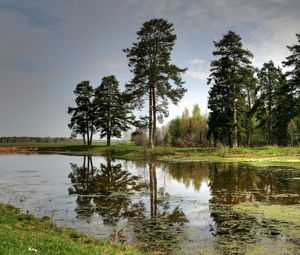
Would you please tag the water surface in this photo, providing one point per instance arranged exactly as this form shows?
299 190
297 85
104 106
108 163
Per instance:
175 208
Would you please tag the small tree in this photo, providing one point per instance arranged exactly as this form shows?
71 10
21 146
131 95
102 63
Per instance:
139 137
293 132
82 116
112 109
149 59
188 131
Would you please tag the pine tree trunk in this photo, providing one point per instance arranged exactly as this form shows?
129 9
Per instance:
235 131
88 133
154 118
84 140
269 128
91 135
150 142
249 129
108 138
91 138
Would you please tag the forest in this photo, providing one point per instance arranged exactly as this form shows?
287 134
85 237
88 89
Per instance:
248 106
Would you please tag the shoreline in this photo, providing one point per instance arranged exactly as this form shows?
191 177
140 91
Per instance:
255 156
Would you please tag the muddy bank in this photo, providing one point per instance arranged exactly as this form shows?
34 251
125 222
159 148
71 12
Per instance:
18 149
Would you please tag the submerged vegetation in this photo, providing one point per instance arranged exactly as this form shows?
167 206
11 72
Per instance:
278 212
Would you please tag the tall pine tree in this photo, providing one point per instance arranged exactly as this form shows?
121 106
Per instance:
270 78
154 76
288 95
293 62
228 72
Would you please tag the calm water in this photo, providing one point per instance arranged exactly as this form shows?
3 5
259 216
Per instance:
176 208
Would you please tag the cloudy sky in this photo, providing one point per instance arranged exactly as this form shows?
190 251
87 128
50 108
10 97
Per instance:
47 47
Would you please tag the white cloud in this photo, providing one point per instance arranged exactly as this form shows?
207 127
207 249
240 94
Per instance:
196 61
198 69
266 27
270 39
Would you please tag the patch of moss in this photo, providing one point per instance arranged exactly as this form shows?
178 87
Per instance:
278 212
287 216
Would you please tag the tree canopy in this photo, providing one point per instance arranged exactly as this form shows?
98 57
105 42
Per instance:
154 77
112 110
228 74
82 115
249 106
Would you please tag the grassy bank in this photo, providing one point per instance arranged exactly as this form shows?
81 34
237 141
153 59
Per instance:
129 151
24 234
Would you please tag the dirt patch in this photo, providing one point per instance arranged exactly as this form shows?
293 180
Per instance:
17 149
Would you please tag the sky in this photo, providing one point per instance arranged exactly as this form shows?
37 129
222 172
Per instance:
49 46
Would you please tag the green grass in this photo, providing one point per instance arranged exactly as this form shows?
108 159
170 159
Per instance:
25 234
129 151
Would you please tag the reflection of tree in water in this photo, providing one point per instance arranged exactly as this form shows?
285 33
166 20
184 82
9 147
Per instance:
104 191
233 183
81 180
157 221
190 174
162 228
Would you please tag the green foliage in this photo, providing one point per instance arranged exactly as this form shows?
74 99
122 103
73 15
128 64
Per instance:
188 131
229 75
248 106
270 81
289 107
30 139
139 137
249 109
82 116
153 75
294 131
293 62
113 112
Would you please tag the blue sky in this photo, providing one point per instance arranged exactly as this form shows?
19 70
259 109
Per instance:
47 47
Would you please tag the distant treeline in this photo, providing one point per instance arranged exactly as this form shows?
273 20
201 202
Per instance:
26 139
